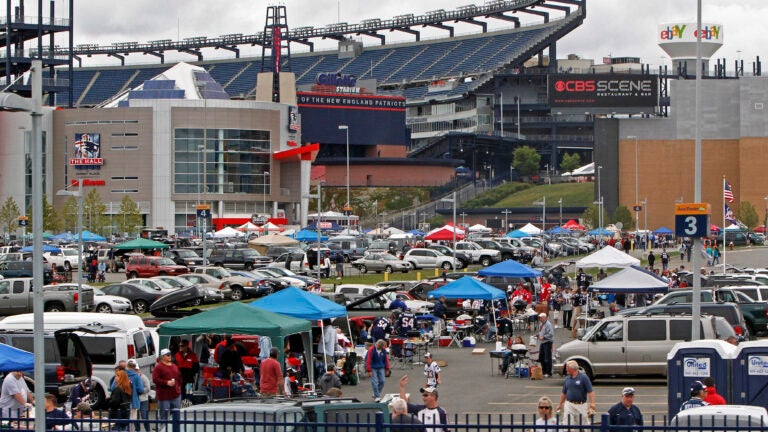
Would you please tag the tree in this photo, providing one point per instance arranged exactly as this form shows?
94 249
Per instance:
570 162
50 216
129 216
747 214
591 216
94 218
69 214
526 160
9 215
623 215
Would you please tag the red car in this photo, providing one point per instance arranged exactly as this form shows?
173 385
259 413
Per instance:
151 266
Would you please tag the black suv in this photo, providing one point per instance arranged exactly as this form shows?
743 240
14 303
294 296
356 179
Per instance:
66 358
246 259
185 257
17 269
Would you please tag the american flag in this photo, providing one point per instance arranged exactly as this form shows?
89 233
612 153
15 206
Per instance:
727 192
729 216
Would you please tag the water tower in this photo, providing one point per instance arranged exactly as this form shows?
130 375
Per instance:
678 40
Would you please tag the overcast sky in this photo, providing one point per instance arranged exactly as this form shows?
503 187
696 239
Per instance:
612 27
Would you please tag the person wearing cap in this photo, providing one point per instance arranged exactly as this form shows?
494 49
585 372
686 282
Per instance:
167 379
15 395
328 380
188 364
82 418
625 413
698 393
432 371
401 417
546 338
577 391
429 412
712 397
143 412
80 392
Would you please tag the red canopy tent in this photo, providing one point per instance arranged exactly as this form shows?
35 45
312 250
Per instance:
714 228
573 225
443 234
760 229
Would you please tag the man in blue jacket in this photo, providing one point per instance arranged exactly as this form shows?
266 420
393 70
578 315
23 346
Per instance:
137 385
377 366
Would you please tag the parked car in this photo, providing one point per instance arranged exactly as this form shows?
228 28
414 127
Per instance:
311 283
480 255
729 311
150 266
298 264
241 287
210 295
292 281
141 297
243 259
66 257
264 286
209 282
464 259
420 258
185 257
23 269
169 304
105 303
381 262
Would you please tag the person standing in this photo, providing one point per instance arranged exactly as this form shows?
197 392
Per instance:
377 366
339 266
327 345
15 395
577 391
120 399
555 304
401 417
439 312
271 375
546 338
698 393
432 371
137 386
230 361
188 365
326 267
712 397
651 259
167 379
664 259
430 413
567 307
545 416
625 413
143 412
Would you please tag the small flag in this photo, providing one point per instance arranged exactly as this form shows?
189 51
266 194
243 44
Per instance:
727 192
729 216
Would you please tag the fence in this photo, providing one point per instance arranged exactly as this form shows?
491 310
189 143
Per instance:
290 416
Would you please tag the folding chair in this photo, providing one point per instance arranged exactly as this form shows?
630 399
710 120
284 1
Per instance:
401 355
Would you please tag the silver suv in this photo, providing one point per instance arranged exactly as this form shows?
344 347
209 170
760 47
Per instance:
420 258
636 344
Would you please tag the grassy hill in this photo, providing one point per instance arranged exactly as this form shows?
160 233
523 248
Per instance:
523 195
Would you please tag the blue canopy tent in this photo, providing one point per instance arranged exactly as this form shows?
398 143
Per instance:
14 359
470 288
46 248
417 232
92 237
559 230
600 232
306 235
632 279
663 231
65 236
517 234
509 268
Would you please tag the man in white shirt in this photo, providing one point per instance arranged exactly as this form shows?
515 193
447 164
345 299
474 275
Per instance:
14 395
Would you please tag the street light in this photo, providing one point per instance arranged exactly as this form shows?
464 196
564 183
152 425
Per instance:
506 213
345 128
644 203
453 200
13 102
462 218
317 196
599 198
79 195
264 195
543 204
560 201
637 183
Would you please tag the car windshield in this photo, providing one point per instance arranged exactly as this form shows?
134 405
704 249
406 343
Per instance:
187 254
224 272
97 292
157 284
177 283
165 262
271 272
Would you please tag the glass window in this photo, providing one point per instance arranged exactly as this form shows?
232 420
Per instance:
140 344
751 292
101 349
18 287
680 330
647 330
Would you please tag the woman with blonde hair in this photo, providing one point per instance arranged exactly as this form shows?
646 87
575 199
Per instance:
120 399
545 416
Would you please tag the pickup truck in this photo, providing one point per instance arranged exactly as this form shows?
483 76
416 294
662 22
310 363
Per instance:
484 257
23 269
755 313
16 297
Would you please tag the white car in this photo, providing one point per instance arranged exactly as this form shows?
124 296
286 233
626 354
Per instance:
105 303
67 258
269 273
420 306
722 418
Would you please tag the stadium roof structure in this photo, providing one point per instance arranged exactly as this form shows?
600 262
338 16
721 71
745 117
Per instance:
406 23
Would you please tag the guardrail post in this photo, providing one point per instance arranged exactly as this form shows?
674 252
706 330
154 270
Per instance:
176 420
379 422
604 422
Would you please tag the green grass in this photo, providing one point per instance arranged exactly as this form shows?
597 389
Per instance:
573 194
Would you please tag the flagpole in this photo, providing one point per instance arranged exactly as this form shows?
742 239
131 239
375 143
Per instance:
724 245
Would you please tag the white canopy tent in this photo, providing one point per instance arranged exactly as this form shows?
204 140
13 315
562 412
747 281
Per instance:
227 232
607 257
531 229
479 228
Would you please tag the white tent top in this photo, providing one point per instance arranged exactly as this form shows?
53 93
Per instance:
452 228
393 230
586 170
531 229
607 257
734 227
478 228
227 232
349 232
248 227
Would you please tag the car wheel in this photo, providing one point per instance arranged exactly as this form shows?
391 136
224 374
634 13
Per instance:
96 398
197 302
447 266
587 370
413 265
104 308
140 306
462 263
54 307
363 268
249 266
346 259
485 261
237 294
67 266
388 269
133 275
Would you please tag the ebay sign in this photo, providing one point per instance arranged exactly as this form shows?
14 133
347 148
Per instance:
678 39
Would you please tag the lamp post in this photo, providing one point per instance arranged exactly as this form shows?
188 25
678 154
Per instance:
318 196
637 183
79 195
543 204
462 218
453 200
506 213
13 102
560 202
345 128
644 203
599 198
265 174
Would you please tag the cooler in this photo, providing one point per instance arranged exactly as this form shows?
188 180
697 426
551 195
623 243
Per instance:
693 361
468 342
444 341
750 374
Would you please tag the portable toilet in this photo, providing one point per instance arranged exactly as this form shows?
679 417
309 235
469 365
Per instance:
750 374
688 362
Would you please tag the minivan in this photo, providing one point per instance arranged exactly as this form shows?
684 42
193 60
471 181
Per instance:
729 311
132 340
635 344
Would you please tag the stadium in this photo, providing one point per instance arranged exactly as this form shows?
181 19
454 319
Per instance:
249 135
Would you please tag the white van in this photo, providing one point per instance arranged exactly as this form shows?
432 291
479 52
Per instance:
133 341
